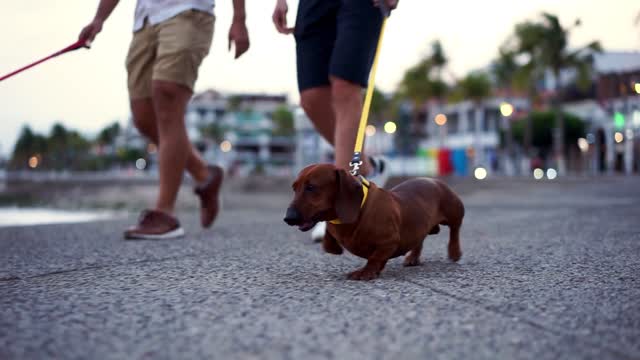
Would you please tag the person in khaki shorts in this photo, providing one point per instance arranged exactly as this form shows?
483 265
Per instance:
170 40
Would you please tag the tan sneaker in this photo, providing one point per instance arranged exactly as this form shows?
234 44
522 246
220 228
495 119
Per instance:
155 225
208 194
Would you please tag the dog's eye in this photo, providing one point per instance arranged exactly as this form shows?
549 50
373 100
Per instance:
309 188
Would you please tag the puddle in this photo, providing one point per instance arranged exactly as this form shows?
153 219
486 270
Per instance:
14 216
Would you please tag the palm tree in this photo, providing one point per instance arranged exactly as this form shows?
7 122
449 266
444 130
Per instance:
545 42
424 81
505 70
477 87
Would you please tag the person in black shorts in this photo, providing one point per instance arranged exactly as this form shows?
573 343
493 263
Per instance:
335 45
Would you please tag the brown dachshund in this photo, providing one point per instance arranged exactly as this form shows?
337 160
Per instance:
371 222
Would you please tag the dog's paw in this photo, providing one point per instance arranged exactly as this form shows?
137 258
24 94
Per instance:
362 275
411 261
455 253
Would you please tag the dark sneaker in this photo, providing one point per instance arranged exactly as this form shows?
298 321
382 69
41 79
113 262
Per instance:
208 194
380 172
155 225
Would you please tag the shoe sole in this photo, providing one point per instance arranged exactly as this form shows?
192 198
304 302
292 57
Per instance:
216 191
318 231
173 234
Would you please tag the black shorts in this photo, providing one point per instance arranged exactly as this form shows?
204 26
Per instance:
335 37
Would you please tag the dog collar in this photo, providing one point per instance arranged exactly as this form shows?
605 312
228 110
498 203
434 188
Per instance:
365 192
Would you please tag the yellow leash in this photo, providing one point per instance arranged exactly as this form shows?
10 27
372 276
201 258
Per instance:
356 161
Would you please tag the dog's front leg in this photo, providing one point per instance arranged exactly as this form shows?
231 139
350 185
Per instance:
330 244
375 263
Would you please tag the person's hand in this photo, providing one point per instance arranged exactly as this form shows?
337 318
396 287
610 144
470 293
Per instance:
239 36
90 31
280 17
391 4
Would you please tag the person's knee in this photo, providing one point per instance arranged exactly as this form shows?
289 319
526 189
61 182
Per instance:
344 93
312 98
167 95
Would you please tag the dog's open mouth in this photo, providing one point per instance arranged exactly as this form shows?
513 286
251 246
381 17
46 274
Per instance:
307 225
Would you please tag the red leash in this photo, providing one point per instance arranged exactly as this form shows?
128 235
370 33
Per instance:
77 45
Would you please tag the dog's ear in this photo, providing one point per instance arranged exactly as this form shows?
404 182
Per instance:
348 197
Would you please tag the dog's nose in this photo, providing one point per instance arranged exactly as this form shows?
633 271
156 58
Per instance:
292 217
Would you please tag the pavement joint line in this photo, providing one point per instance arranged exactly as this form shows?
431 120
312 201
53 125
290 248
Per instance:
98 267
525 320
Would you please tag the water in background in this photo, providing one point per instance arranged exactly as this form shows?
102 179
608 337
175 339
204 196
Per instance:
14 216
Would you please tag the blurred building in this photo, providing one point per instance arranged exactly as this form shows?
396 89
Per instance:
470 130
311 147
128 138
611 109
237 131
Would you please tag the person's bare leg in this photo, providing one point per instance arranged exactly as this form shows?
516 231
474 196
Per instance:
317 104
144 119
170 102
347 105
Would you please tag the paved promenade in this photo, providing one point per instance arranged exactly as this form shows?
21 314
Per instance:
550 270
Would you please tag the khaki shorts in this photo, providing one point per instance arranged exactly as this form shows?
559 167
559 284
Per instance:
171 50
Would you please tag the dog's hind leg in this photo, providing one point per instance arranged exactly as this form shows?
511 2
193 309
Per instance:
454 242
413 259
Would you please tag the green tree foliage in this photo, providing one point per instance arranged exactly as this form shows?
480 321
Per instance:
545 43
379 107
475 86
108 135
27 145
213 131
283 121
542 130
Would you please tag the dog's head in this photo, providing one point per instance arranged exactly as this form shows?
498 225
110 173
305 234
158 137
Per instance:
322 193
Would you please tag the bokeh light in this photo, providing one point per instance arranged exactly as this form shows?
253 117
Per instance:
33 162
618 137
141 164
583 144
628 134
440 119
506 109
480 173
538 174
551 174
390 127
370 130
636 118
225 146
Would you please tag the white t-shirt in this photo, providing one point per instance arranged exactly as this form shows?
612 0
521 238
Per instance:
157 11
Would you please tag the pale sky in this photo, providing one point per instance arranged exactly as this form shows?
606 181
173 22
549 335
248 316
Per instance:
86 90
